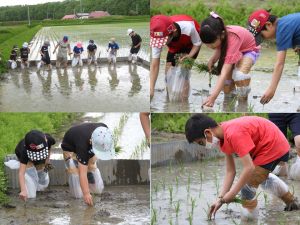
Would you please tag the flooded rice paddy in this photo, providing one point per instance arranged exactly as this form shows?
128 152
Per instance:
116 205
285 99
193 187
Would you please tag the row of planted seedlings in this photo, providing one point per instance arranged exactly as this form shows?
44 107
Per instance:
179 180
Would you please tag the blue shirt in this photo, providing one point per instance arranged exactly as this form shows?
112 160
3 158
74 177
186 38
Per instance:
288 32
113 46
77 50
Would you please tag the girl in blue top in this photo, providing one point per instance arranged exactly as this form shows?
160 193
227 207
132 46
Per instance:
77 50
285 30
112 49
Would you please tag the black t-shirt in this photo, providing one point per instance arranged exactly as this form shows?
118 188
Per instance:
24 53
45 51
21 151
136 39
92 47
13 55
77 140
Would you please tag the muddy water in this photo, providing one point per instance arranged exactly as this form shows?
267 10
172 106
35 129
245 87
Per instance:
204 192
101 34
102 88
284 100
118 205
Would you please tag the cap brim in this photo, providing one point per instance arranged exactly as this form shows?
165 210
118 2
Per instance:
158 42
108 155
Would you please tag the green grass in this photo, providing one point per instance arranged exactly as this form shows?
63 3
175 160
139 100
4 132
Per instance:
232 11
175 122
14 126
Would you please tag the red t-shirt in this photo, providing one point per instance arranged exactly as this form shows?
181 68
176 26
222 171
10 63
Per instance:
254 135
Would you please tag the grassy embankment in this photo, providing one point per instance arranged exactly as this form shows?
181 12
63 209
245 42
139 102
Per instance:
14 126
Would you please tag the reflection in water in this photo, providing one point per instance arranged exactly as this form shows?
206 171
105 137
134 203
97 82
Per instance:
64 83
114 81
92 71
79 82
25 74
45 76
15 78
135 80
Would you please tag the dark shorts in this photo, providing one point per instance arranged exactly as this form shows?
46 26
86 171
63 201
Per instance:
286 120
46 60
24 59
171 56
271 166
134 50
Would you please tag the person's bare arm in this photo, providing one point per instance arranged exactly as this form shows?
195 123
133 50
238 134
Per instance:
215 57
225 73
145 121
23 194
84 184
229 175
248 168
154 69
278 68
56 46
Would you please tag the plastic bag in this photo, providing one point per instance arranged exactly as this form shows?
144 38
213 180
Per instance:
294 173
249 214
12 164
75 61
43 180
74 182
31 182
178 83
281 170
274 185
95 181
13 64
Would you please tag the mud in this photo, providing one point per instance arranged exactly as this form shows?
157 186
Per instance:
199 182
127 205
102 88
285 99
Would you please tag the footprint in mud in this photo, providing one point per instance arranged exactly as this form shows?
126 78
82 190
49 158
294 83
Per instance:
102 213
59 205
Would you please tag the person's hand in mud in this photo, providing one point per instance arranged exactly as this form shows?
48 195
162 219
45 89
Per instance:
267 96
209 101
88 199
23 195
214 208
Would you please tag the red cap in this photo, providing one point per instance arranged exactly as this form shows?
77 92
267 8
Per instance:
161 27
257 20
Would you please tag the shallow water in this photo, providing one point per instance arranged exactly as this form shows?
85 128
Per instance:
118 205
102 88
285 99
100 33
204 192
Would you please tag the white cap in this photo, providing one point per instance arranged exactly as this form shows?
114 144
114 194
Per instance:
25 45
129 31
103 143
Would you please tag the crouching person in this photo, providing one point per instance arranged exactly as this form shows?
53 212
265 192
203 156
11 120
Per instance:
33 152
259 144
82 145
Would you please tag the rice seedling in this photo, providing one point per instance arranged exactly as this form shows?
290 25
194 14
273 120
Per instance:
171 194
266 198
203 67
177 208
193 202
190 218
154 216
177 181
170 221
140 149
156 188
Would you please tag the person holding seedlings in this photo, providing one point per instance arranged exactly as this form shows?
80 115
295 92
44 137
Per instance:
24 53
135 46
258 143
235 51
292 121
82 145
45 56
180 33
112 50
77 50
13 57
33 152
92 49
64 49
286 32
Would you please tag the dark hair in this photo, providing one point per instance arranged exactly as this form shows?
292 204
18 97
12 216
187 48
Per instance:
195 126
272 19
211 29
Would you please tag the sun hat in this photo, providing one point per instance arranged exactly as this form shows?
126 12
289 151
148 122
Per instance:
103 143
